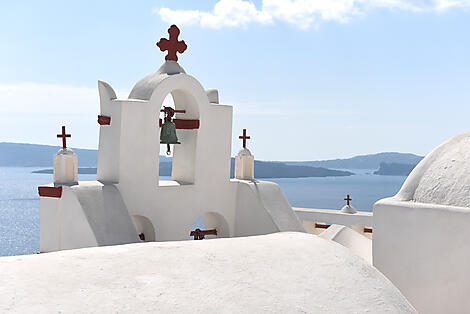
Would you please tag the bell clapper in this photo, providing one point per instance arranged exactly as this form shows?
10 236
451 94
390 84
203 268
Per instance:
168 150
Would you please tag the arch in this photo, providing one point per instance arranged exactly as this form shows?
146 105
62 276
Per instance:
213 220
188 95
144 226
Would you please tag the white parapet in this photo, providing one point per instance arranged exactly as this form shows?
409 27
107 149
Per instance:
245 165
316 220
65 167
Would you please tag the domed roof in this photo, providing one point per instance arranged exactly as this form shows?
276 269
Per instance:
65 151
285 272
348 209
443 177
244 152
144 88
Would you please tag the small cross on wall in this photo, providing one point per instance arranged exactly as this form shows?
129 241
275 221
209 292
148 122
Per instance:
172 45
244 137
64 136
348 199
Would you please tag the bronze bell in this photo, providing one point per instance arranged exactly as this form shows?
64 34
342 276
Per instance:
168 132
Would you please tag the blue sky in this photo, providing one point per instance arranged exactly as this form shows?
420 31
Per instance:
309 79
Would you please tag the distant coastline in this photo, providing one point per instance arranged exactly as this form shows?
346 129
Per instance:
263 170
34 155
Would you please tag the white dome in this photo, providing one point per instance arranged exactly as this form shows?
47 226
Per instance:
348 209
144 88
244 152
443 177
65 151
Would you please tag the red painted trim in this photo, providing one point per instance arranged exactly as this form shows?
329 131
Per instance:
50 191
322 226
104 120
183 124
186 124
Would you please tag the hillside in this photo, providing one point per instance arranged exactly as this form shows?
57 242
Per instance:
35 155
372 161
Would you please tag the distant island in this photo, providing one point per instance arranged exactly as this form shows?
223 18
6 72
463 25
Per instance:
394 169
371 161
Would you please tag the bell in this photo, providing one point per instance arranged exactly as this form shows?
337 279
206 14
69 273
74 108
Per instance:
168 134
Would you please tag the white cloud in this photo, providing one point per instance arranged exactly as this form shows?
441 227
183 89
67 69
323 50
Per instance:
182 17
301 13
226 13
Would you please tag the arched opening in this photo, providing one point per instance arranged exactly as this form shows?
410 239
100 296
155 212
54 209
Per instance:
165 161
181 161
144 228
212 221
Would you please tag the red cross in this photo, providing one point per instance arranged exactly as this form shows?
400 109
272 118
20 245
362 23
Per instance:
244 138
63 135
347 199
172 45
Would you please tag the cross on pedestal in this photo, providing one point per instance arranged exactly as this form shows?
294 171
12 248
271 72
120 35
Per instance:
172 44
244 138
64 136
348 199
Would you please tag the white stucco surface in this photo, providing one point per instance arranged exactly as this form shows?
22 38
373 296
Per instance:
144 88
277 273
443 177
421 235
423 249
347 237
65 167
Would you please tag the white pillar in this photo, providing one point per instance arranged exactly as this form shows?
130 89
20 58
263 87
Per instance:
65 167
245 165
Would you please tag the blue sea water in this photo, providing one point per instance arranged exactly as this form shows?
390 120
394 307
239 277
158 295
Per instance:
19 200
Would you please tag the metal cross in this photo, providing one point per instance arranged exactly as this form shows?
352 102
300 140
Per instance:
64 136
347 199
244 138
172 44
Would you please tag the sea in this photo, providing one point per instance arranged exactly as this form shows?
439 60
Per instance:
19 200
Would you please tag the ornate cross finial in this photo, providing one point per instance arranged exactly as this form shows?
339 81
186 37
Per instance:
172 44
64 136
348 199
244 138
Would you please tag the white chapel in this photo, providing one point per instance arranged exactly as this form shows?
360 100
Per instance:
122 243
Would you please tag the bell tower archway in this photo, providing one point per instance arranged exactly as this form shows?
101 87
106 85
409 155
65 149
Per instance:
185 119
